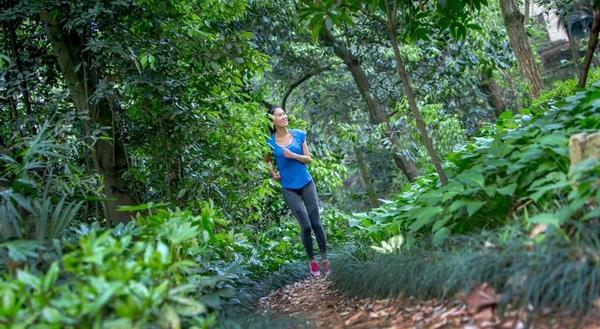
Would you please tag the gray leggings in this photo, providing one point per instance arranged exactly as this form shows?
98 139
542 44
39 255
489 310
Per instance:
304 205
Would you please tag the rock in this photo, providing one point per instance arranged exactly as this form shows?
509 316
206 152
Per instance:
583 147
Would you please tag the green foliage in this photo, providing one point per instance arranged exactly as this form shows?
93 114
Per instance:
42 192
520 172
127 277
559 90
417 21
327 171
169 268
335 223
446 135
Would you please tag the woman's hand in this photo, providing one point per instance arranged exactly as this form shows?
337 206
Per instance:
276 176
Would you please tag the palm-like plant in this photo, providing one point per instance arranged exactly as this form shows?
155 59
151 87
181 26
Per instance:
35 208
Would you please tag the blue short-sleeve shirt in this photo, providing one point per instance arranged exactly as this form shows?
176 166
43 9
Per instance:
294 174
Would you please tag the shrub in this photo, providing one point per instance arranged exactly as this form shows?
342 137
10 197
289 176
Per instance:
520 172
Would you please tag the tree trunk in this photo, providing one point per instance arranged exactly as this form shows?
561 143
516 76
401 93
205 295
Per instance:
493 91
12 37
519 42
109 157
410 94
15 115
365 178
513 90
574 46
376 113
589 53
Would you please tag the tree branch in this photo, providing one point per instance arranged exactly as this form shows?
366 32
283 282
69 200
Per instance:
300 80
592 43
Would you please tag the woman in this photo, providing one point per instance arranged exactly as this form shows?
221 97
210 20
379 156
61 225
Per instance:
291 157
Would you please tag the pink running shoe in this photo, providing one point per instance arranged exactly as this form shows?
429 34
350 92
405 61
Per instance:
314 269
325 266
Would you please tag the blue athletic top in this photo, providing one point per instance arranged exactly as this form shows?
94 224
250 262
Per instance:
294 174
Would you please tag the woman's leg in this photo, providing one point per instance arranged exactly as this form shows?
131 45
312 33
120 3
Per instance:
309 195
294 202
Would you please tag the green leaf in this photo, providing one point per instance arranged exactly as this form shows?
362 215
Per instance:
51 276
425 217
545 218
211 300
191 307
472 177
169 318
22 201
51 315
507 190
452 189
227 292
8 298
440 236
440 223
592 214
506 116
19 250
472 205
28 279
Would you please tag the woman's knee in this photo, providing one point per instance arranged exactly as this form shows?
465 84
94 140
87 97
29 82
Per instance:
306 229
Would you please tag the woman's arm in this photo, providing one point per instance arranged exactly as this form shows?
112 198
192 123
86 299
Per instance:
272 171
304 158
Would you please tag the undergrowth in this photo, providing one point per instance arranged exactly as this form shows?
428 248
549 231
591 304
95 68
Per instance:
553 270
241 312
520 170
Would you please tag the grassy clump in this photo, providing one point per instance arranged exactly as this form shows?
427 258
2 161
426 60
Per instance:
552 270
240 312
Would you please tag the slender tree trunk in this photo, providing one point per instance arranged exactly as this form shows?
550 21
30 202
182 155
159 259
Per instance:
365 178
574 46
12 37
15 115
513 90
519 42
527 11
376 113
109 157
491 88
589 53
410 94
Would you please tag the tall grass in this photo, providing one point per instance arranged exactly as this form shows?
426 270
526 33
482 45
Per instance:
550 271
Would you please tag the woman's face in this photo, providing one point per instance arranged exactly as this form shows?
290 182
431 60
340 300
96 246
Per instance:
279 118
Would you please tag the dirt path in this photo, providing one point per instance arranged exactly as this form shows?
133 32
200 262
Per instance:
323 307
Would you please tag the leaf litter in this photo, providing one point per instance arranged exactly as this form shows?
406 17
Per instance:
321 306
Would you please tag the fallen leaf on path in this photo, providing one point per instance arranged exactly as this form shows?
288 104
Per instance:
480 297
537 230
355 318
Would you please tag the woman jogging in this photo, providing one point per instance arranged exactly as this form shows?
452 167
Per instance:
291 157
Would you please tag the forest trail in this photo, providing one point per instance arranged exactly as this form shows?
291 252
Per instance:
321 306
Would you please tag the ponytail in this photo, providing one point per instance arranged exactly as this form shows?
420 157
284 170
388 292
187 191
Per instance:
270 116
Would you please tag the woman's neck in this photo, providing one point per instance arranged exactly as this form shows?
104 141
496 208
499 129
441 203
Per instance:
281 132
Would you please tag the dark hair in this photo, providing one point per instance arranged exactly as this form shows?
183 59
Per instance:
269 114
